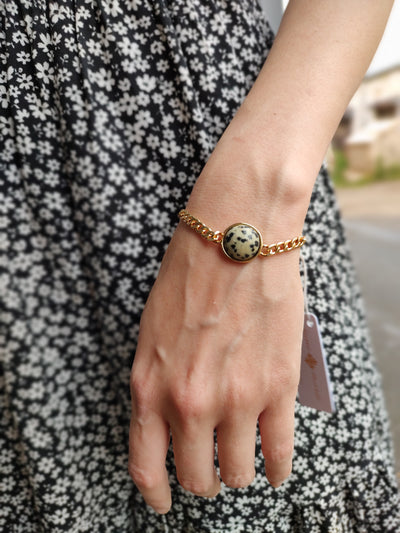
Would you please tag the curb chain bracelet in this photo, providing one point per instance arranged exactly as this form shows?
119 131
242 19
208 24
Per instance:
241 242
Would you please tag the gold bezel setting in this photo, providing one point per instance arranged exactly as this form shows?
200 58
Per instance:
230 250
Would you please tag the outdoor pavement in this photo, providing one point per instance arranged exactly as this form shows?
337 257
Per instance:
372 219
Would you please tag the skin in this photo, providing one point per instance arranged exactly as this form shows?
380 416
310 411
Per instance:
219 344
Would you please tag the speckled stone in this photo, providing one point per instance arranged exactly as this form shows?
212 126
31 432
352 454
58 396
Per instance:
241 242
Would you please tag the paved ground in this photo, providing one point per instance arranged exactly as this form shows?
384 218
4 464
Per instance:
372 219
379 199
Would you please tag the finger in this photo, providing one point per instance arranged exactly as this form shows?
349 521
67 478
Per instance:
236 450
194 460
277 440
148 445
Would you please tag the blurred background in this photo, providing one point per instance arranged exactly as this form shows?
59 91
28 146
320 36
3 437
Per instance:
364 161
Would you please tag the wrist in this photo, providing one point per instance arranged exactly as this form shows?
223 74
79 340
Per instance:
275 203
248 173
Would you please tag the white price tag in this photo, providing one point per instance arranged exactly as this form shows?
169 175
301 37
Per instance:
315 388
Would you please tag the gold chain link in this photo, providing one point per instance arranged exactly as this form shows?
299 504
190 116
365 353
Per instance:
207 233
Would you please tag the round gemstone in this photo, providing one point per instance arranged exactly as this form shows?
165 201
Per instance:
241 242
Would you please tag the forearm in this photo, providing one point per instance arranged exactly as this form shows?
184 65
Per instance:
214 351
320 55
275 144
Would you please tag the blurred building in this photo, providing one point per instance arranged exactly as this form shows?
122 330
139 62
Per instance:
369 132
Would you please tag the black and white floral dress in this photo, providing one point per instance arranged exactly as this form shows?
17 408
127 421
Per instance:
109 110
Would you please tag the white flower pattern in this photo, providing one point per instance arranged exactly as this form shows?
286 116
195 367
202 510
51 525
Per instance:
108 111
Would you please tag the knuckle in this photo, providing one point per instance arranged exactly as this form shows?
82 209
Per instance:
277 479
239 396
143 479
239 481
288 374
198 487
190 403
279 453
286 381
140 390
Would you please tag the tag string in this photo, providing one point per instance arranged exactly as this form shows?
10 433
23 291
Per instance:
305 281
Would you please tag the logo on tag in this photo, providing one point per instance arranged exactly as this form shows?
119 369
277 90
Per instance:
311 361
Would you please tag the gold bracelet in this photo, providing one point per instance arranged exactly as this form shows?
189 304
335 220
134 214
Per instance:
241 242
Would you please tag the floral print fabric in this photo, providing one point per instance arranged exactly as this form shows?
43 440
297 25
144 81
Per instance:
108 111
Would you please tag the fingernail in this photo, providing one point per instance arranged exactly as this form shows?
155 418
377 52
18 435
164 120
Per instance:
161 510
276 484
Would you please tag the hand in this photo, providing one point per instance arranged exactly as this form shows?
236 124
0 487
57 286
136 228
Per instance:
219 348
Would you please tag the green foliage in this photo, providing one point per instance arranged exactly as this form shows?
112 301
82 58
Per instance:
384 173
340 166
381 172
